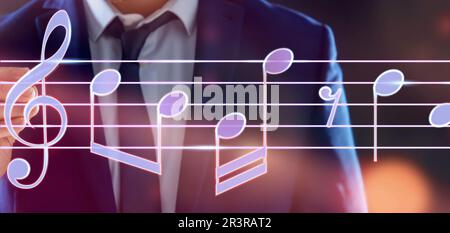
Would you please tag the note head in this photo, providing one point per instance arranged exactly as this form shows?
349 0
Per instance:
278 61
231 125
389 83
105 82
440 116
173 104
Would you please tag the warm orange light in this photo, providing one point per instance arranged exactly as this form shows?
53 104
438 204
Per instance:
397 186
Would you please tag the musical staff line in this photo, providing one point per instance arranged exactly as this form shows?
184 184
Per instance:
251 104
255 61
237 83
212 147
213 126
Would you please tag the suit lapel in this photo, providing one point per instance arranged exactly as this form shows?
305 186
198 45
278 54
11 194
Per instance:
219 25
94 169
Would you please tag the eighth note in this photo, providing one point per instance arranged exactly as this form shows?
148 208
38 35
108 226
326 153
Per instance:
387 84
171 105
326 94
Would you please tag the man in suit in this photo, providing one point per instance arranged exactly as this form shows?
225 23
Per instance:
77 181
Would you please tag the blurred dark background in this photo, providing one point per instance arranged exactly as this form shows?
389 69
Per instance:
402 180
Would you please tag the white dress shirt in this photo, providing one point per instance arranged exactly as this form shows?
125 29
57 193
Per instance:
174 40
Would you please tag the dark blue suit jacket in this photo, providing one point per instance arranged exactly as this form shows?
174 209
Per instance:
297 181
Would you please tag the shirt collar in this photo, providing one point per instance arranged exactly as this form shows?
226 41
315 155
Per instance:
100 13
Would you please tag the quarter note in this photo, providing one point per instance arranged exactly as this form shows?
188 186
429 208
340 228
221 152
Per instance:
233 124
326 94
387 84
170 106
19 169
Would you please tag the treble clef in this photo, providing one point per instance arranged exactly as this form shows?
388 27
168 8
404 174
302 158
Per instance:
19 169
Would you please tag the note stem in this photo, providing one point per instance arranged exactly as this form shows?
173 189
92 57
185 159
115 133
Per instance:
159 140
217 159
92 99
265 113
264 108
375 128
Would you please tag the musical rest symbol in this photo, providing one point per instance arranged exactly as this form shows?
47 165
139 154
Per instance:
387 84
171 105
19 169
326 94
233 124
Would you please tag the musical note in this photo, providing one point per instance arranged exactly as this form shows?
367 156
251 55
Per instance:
387 84
19 169
170 106
233 124
326 94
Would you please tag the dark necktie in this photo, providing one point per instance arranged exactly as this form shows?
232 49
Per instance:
139 190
